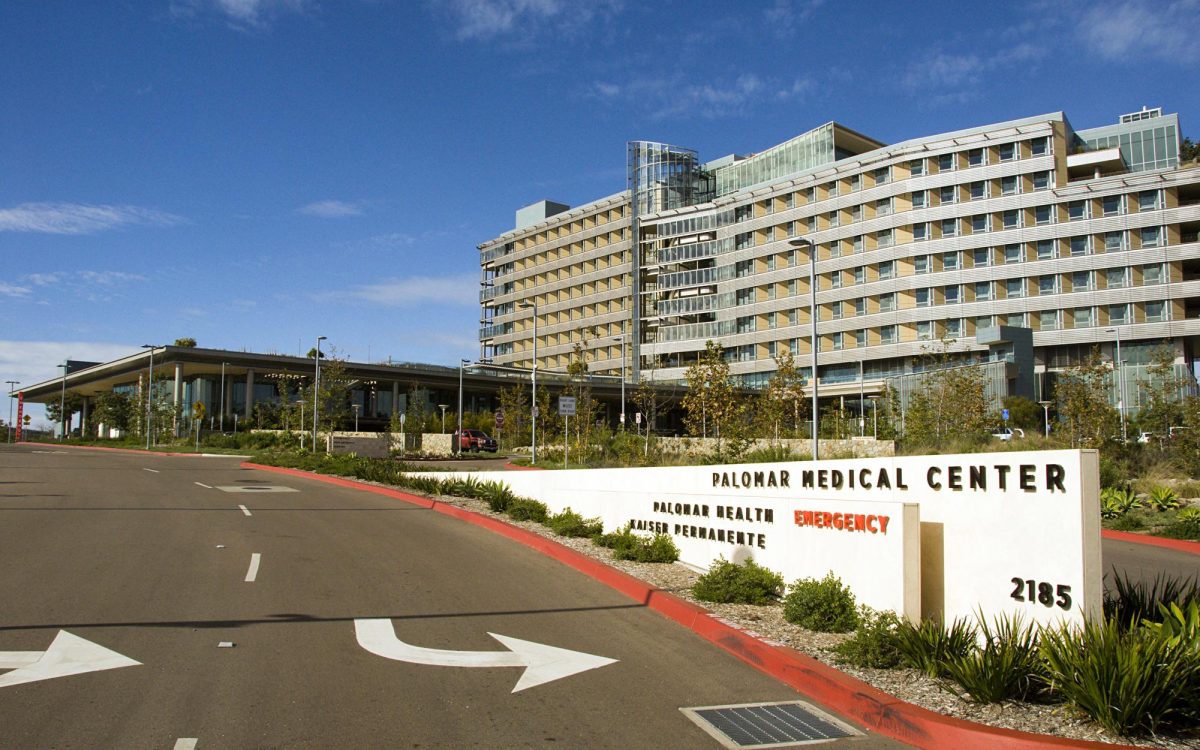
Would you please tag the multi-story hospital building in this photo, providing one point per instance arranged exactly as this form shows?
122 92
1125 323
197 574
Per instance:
1025 242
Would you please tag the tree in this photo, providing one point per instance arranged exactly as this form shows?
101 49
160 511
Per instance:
780 404
74 403
1189 150
1023 413
113 410
514 403
414 415
950 401
333 400
1163 408
711 404
312 353
188 343
1082 401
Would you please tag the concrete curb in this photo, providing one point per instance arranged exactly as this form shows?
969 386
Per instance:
1178 545
881 713
134 451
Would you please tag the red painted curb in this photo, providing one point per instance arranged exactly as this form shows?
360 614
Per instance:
1178 545
871 707
509 466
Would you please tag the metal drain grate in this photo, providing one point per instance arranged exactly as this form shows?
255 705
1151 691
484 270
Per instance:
764 725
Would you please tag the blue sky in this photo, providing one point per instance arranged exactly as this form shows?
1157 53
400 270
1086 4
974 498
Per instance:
255 173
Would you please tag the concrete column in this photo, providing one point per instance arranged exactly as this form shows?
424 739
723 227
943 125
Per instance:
83 414
395 396
177 396
249 394
228 396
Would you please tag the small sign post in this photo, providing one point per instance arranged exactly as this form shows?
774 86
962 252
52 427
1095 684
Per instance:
566 408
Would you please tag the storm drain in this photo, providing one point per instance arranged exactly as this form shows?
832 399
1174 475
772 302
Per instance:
763 725
255 488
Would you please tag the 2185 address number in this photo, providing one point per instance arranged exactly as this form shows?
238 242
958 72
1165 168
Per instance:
1046 594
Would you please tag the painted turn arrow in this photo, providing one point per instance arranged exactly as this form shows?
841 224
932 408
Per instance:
542 663
67 655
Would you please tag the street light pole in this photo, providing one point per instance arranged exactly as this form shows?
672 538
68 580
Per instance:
533 409
443 407
1120 383
316 390
461 363
816 342
1046 413
622 338
149 397
875 416
11 383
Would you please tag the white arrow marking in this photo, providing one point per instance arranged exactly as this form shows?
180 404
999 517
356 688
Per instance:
542 663
67 655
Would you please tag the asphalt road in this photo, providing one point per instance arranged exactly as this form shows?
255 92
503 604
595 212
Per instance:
150 557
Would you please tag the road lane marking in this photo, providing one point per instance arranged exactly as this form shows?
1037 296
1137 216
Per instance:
152 471
185 743
252 573
245 509
202 484
67 655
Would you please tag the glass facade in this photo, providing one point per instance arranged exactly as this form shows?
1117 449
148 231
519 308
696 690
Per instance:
804 152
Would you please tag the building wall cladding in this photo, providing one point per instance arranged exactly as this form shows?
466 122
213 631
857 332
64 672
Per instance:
926 240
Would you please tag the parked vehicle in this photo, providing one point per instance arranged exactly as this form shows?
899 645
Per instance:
1145 437
1007 433
476 440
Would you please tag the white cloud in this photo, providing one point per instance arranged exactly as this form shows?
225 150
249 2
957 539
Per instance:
784 15
414 290
80 218
240 14
482 19
942 74
718 98
11 290
1124 30
109 278
31 362
330 209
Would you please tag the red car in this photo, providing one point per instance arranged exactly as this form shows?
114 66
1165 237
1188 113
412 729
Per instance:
477 440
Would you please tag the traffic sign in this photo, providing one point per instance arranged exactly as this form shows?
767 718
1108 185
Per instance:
566 406
499 419
198 410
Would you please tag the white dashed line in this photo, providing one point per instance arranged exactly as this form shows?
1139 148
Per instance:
202 484
252 573
152 471
245 509
185 743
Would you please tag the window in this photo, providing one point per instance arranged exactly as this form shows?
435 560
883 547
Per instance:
1045 249
981 256
1111 204
1148 200
789 201
1083 317
832 189
1049 320
945 162
1151 236
858 243
883 175
883 238
918 199
856 213
1156 311
1048 284
860 274
1007 151
860 337
883 207
770 262
1114 242
1043 215
887 302
1011 218
772 349
1116 278
953 327
1081 281
979 190
887 269
924 330
916 167
922 264
838 340
920 232
952 294
887 334
980 223
744 297
744 240
835 280
1118 315
949 227
1016 320
1041 180
1077 210
983 291
1010 185
835 220
1152 275
856 182
1014 288
950 261
1081 244
773 318
948 194
923 296
743 213
860 306
810 194
743 268
1039 146
793 287
1014 253
983 321
746 324
975 157
835 249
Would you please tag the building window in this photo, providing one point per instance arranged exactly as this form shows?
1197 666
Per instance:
860 274
835 280
1081 244
883 238
1147 200
743 213
887 302
789 201
1048 284
945 162
835 220
887 269
1112 205
950 260
983 291
860 338
860 306
743 268
916 167
746 324
1014 253
1049 320
1152 275
1016 320
952 294
1116 278
918 199
883 207
1010 185
920 232
883 175
924 330
975 157
980 223
793 287
948 194
1118 315
921 264
837 339
744 297
1007 151
1045 249
1151 236
949 227
1014 288
744 240
1083 317
983 321
1011 218
1114 242
1041 180
773 319
832 189
856 213
1039 146
1043 215
858 243
887 334
981 256
979 190
922 296
1077 210
1156 311
856 182
953 327
1081 281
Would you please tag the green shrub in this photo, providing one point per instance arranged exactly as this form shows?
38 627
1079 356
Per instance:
1163 498
524 509
731 583
874 643
627 545
1128 680
928 646
1117 501
498 496
1127 522
825 606
570 523
1179 625
1130 601
1006 667
769 455
622 537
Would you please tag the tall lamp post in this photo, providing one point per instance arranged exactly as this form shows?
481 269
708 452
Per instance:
316 390
11 383
533 409
875 415
622 338
800 242
1046 413
1120 383
443 407
149 397
461 364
